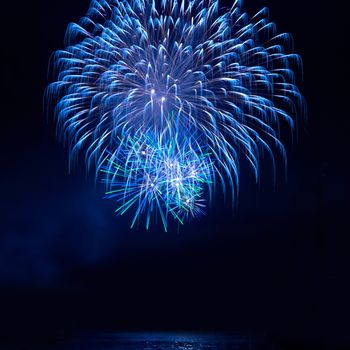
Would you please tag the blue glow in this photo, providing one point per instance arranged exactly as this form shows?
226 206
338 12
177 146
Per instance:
142 84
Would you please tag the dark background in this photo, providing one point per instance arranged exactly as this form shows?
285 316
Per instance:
278 265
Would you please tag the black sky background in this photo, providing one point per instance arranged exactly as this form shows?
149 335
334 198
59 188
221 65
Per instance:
278 265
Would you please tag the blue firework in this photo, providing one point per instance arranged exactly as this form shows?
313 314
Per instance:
158 177
188 73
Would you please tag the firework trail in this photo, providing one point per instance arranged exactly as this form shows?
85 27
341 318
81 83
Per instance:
144 84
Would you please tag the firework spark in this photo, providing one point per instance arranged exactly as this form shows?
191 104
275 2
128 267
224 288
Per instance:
158 177
142 83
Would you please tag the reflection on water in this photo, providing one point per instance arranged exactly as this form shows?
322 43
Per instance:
166 341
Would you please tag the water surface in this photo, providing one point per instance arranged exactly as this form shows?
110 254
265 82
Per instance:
166 341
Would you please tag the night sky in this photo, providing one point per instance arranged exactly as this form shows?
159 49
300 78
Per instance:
277 265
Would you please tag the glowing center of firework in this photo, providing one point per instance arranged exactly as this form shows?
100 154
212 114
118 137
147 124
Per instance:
131 178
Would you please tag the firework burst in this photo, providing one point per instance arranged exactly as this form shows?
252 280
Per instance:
158 177
186 82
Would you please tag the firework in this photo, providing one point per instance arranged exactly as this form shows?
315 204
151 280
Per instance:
159 178
172 78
